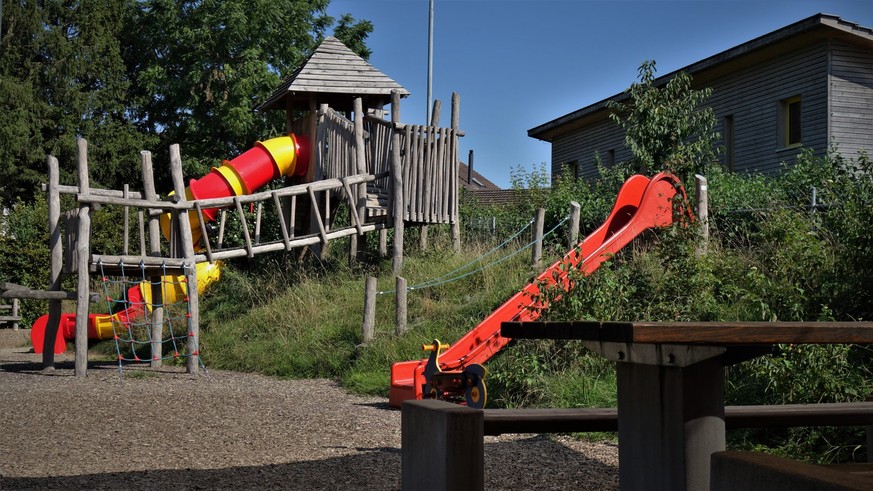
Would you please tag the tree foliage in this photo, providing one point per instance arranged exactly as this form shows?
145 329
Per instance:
129 75
62 77
667 128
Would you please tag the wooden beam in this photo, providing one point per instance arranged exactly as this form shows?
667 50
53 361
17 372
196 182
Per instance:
705 333
577 420
83 254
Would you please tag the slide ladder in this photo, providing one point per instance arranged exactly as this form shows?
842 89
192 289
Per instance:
455 371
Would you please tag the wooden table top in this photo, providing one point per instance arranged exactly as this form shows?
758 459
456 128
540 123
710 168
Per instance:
702 333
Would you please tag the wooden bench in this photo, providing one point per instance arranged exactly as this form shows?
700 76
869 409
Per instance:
581 420
13 316
450 437
756 471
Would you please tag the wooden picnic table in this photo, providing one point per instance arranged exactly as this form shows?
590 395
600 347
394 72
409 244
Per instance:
670 377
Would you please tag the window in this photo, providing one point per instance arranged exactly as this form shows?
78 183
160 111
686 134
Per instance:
572 169
610 158
728 136
790 122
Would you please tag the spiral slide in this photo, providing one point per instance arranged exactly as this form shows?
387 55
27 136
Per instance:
245 174
642 203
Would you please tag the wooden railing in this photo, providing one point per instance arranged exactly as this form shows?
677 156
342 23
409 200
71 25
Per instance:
429 157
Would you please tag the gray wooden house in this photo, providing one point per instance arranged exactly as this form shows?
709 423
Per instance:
806 85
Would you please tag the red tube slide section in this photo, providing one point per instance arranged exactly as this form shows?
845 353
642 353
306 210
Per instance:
99 325
245 174
642 203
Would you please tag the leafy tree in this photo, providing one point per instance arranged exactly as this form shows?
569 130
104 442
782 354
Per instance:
62 77
201 67
667 127
128 75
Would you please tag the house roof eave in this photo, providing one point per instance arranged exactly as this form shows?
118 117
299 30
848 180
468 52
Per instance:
819 26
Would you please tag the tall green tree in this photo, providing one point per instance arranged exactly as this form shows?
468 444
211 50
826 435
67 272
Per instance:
200 67
130 74
667 127
62 77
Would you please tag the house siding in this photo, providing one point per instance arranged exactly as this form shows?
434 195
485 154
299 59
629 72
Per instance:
582 146
851 110
752 97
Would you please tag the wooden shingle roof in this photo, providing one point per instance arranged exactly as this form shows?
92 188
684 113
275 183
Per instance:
334 69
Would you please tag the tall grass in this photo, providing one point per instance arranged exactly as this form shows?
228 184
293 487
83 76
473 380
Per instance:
310 326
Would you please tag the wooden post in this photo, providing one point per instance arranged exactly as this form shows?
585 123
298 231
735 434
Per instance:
397 186
187 242
429 184
453 180
148 181
687 405
442 446
868 430
575 211
221 222
257 222
368 327
15 306
125 247
83 249
702 192
422 237
470 168
401 309
315 173
140 220
383 243
57 262
537 255
361 164
156 281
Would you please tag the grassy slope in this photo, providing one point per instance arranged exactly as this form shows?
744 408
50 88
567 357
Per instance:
311 328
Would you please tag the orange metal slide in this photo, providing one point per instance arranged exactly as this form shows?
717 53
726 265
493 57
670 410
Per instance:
642 203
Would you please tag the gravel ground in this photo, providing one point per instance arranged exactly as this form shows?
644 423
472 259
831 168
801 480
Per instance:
163 429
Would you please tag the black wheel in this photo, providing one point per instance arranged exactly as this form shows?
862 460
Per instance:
475 394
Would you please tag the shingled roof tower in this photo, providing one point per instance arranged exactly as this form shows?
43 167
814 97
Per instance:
333 75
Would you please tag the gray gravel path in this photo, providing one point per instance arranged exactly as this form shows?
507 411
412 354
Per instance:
166 429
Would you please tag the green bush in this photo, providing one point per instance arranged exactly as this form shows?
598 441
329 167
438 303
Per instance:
24 252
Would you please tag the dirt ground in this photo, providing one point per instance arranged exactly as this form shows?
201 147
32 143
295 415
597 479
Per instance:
140 428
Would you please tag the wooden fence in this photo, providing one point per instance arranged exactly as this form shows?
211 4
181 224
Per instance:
429 162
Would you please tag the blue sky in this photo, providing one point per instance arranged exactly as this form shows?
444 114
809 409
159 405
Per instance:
517 64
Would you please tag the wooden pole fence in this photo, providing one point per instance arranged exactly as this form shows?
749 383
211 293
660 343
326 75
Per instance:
368 327
575 212
537 249
400 314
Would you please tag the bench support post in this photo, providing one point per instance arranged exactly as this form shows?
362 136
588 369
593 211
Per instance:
687 404
442 445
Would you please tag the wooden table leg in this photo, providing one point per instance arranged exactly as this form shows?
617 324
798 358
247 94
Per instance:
670 421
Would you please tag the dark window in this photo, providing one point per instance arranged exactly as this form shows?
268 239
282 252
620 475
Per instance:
794 122
790 127
610 158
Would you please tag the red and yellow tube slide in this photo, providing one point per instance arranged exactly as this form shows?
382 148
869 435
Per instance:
139 297
265 161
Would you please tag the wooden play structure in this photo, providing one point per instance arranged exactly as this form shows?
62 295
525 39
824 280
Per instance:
383 173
